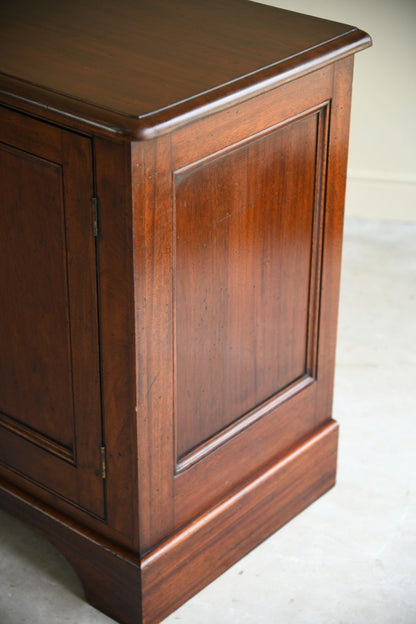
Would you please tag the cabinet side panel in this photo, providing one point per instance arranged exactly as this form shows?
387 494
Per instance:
243 262
237 258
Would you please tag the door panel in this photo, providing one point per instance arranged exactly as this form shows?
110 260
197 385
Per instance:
35 311
50 416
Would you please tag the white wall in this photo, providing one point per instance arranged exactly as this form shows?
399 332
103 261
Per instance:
382 158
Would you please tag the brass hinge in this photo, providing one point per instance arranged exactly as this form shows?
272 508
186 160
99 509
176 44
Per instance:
94 201
103 463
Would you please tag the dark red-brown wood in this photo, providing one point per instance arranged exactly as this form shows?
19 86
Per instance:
109 574
258 245
213 542
172 179
141 68
266 426
50 415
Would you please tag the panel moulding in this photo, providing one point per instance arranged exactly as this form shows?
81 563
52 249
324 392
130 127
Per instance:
310 373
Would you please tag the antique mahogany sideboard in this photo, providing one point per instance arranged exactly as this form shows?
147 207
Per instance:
172 180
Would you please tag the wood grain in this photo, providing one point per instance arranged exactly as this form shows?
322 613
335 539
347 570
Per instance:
204 438
172 181
216 540
49 366
117 348
110 575
141 68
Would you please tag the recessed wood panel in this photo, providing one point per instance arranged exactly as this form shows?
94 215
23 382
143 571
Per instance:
50 411
35 363
243 251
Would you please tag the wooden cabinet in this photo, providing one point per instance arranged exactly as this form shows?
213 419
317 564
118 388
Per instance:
172 187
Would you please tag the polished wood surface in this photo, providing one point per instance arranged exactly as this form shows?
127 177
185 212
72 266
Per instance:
138 66
226 441
172 179
107 167
49 365
110 575
229 330
213 542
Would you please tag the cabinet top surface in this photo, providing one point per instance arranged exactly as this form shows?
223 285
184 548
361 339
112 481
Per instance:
137 65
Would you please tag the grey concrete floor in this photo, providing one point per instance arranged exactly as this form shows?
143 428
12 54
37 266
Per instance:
350 558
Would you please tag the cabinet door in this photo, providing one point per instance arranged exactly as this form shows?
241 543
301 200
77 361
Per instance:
50 416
